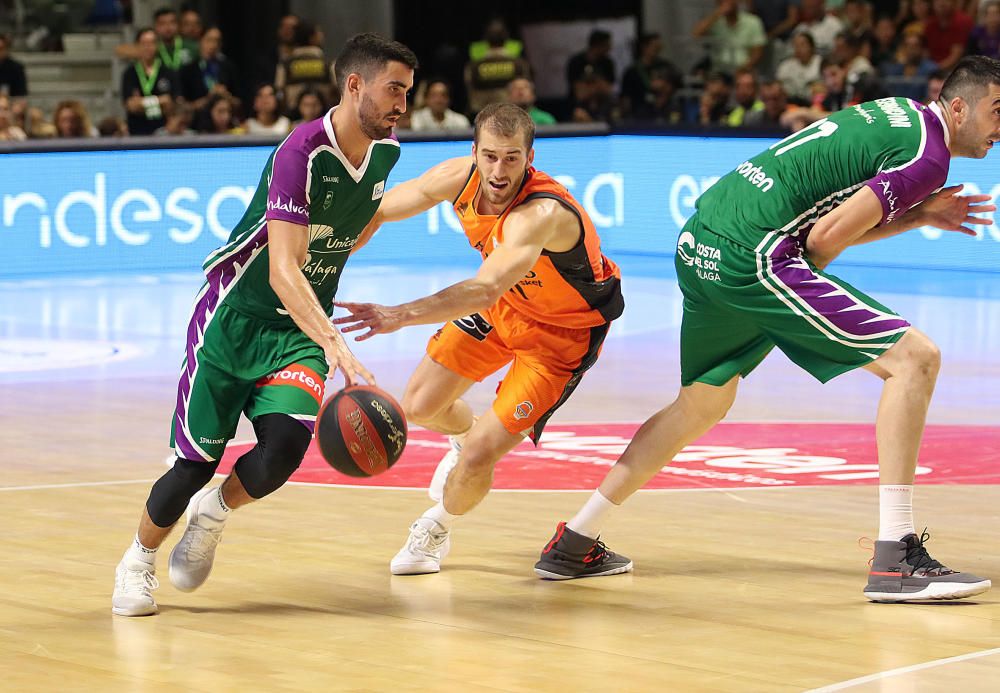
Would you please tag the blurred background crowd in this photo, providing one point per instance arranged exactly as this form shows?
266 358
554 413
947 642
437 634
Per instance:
762 64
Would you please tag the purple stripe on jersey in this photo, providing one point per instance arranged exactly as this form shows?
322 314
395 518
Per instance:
220 279
203 311
914 181
287 193
848 315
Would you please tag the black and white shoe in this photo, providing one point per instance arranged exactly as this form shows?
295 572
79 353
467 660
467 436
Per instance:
571 555
903 571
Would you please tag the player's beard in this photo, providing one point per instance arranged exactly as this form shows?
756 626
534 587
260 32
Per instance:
373 121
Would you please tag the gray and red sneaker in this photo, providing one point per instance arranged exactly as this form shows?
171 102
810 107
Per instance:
570 555
903 571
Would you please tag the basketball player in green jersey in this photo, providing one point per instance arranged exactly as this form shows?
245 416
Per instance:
750 263
260 339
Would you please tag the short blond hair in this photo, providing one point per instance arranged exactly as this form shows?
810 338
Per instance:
505 119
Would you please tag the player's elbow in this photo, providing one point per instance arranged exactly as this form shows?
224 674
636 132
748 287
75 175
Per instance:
822 246
279 279
488 292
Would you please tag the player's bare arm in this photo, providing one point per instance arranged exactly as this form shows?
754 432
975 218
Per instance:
289 244
438 184
530 229
945 210
856 220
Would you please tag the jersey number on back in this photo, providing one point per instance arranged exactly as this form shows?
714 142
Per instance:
821 128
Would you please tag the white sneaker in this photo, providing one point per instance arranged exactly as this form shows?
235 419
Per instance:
133 583
192 558
424 550
447 463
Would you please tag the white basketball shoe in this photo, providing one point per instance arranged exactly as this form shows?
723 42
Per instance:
425 548
134 583
192 558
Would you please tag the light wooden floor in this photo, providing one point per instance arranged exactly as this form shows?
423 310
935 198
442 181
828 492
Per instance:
733 590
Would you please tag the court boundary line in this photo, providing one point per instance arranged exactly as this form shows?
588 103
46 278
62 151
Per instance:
317 484
889 673
76 484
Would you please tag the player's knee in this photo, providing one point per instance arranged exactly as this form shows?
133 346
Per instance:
281 444
170 494
477 461
419 408
706 410
923 357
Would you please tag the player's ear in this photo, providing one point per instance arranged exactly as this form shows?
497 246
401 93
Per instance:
959 108
354 83
473 150
531 156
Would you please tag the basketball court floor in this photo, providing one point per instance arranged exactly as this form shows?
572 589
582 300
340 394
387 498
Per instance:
748 564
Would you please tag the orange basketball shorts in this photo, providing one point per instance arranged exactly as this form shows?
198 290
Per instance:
548 361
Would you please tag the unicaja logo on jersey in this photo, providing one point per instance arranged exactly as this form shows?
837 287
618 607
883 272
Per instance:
685 248
378 190
756 175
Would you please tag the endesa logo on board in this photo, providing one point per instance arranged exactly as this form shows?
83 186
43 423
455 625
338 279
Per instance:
89 216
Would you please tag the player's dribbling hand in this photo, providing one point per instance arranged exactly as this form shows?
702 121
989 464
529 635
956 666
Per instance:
340 358
948 210
371 316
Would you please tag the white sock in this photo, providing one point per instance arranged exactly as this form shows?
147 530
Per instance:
213 506
895 512
441 516
139 553
591 516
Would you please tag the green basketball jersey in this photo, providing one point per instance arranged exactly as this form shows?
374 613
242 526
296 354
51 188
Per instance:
895 146
307 181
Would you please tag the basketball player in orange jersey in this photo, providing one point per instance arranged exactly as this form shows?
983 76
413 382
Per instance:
543 299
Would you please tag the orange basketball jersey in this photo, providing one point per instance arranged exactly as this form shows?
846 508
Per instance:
578 288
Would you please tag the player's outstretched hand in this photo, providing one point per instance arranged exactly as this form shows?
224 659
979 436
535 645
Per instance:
948 210
369 316
340 358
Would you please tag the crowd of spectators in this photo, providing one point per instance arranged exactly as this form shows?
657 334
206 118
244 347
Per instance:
764 64
815 56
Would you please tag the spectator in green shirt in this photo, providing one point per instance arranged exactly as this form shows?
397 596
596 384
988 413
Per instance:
736 37
521 92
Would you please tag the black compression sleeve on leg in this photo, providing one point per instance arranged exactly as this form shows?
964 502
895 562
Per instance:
170 494
281 444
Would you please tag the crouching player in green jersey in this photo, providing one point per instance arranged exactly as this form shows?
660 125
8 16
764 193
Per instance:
260 339
751 262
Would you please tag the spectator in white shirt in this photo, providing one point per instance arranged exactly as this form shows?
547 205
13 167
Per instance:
823 27
800 71
436 115
267 119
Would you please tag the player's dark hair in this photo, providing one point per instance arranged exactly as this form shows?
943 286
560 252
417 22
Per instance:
162 11
505 119
971 77
367 54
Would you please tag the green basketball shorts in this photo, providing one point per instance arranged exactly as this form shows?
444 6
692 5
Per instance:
235 363
740 303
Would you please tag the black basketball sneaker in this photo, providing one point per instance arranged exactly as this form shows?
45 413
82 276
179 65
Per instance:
570 555
903 571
